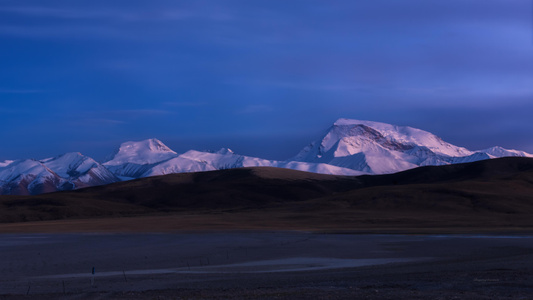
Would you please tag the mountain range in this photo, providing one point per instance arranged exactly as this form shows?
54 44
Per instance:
348 147
491 195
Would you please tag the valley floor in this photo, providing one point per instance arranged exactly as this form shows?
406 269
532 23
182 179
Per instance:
264 265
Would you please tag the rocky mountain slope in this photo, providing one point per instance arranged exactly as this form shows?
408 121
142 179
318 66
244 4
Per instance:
493 194
379 148
349 147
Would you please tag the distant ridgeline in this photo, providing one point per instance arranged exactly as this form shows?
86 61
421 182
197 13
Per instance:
349 147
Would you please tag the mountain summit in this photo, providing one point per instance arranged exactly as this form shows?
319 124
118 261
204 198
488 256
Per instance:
64 172
379 148
348 147
134 159
143 152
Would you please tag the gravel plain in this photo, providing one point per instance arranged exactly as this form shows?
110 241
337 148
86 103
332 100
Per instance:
265 265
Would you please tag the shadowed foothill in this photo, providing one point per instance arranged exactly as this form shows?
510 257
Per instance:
485 195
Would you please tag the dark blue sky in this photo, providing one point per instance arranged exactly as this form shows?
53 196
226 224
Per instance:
261 77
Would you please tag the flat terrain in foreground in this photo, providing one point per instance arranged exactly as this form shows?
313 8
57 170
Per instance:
334 222
265 265
450 232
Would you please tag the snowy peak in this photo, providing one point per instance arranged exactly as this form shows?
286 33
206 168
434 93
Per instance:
380 148
70 164
24 177
156 145
6 163
348 147
407 136
65 172
225 151
80 170
21 168
501 152
373 124
149 151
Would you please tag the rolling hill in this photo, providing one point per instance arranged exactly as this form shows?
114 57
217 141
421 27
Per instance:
348 147
495 193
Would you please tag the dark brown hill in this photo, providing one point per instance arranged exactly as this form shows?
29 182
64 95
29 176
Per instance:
496 192
233 189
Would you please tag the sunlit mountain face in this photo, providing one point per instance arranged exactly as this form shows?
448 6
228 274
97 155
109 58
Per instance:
348 147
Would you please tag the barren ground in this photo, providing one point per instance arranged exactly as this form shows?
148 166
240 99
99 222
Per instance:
451 232
265 265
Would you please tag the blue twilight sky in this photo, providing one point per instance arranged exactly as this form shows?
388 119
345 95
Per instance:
261 77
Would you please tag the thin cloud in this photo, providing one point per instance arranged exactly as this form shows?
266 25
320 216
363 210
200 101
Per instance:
14 91
120 15
121 116
141 112
298 85
107 121
96 122
79 32
51 12
164 13
184 104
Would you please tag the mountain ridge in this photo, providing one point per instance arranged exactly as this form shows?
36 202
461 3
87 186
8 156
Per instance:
489 193
348 147
380 148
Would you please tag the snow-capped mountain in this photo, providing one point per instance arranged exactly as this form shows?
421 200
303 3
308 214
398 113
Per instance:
29 176
227 159
195 161
149 151
80 170
133 159
379 148
497 151
349 147
65 172
5 163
